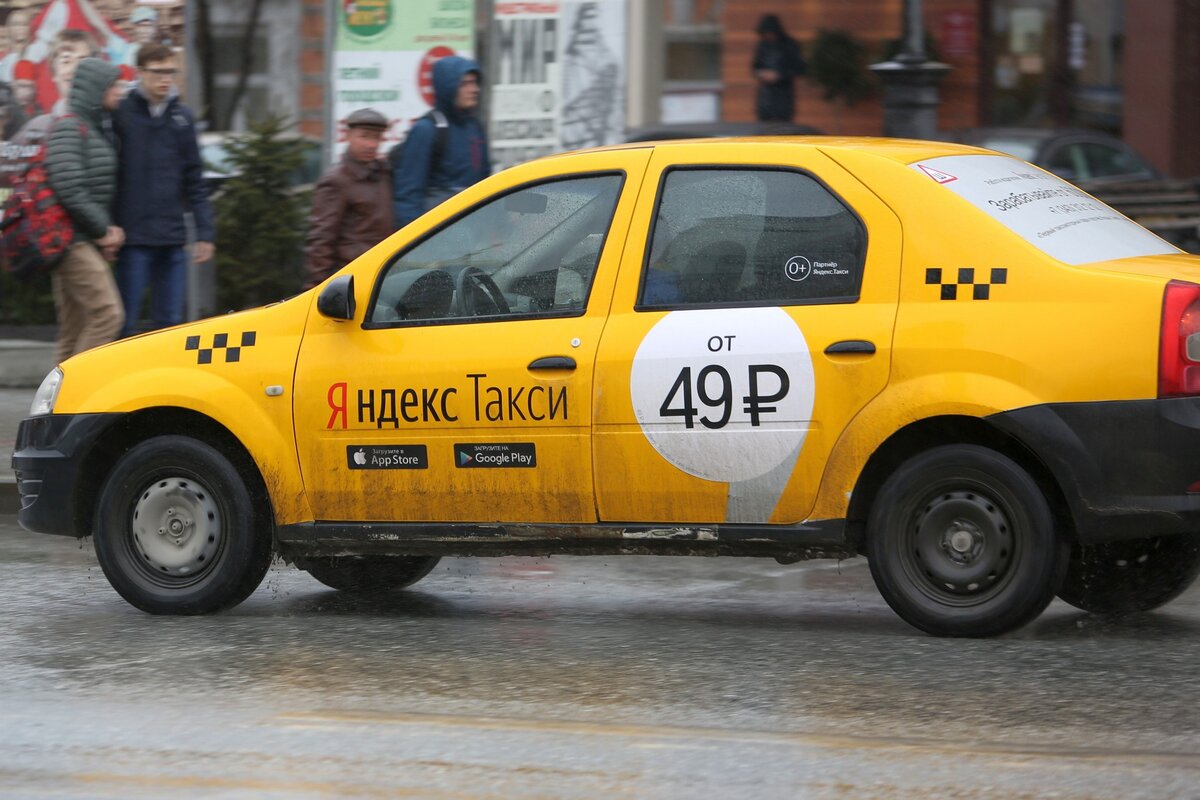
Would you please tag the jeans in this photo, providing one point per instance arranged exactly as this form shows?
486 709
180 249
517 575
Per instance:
164 269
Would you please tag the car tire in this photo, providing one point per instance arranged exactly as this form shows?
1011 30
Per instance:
1128 577
176 531
962 542
369 574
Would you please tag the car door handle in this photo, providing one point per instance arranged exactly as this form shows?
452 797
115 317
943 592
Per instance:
553 362
850 346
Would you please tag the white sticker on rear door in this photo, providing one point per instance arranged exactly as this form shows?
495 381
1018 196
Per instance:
1061 220
727 395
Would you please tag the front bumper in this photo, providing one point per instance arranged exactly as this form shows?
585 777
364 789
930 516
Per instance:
48 461
1125 467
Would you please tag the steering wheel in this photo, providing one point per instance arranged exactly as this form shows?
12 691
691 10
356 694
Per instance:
472 283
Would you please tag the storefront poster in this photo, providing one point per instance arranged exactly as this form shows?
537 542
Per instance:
526 82
593 83
556 77
384 51
41 43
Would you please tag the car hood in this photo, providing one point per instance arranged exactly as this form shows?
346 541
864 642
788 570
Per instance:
178 366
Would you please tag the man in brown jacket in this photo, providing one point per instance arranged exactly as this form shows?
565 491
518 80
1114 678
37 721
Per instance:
352 205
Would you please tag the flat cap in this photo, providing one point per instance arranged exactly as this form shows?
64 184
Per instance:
366 118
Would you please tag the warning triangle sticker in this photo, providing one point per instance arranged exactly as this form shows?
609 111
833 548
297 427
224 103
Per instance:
937 174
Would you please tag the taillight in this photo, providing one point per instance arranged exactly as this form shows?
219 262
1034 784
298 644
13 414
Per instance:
1179 342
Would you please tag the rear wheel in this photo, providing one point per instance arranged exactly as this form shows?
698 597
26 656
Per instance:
176 531
961 542
1131 576
369 574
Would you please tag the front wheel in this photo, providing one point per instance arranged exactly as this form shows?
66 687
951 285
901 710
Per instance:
369 574
961 542
176 531
1132 576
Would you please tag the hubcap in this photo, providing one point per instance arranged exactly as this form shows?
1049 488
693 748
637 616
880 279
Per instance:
961 544
962 541
176 527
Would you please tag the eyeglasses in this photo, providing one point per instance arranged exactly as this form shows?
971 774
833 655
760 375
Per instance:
162 72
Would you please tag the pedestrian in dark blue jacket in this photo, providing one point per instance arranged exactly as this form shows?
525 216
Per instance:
420 183
778 61
160 179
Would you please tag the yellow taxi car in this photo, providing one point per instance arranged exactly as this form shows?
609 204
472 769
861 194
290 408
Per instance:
941 358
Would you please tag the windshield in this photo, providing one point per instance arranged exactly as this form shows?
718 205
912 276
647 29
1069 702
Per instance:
1061 220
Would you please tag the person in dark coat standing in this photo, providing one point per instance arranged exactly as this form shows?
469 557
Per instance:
423 177
778 61
161 178
352 204
81 166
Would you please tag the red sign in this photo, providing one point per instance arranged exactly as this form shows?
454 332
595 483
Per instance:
959 35
425 72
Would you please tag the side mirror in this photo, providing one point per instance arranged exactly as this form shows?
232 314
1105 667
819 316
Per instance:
336 300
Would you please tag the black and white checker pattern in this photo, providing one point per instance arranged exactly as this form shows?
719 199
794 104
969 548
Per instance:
204 355
981 290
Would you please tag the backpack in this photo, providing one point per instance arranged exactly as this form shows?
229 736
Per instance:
442 134
35 231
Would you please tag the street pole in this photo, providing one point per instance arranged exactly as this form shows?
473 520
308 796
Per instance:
910 82
193 282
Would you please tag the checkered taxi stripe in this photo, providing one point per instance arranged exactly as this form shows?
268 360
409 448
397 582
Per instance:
980 290
220 341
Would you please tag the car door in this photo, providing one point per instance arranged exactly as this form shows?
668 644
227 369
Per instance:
752 320
462 393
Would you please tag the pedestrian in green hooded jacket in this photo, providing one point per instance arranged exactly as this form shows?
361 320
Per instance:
81 163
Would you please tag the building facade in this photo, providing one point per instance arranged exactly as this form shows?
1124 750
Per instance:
1131 67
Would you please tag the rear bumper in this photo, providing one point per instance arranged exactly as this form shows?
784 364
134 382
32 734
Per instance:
1124 466
48 461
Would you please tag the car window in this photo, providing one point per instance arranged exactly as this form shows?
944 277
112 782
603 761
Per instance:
1105 161
1061 220
529 253
732 236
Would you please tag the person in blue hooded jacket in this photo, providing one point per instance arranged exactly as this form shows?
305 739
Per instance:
419 183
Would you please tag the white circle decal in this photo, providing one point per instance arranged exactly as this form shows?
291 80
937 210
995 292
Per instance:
797 268
724 395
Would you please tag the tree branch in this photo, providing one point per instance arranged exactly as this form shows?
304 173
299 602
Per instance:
247 62
204 55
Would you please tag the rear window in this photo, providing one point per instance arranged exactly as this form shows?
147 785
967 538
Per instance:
1061 220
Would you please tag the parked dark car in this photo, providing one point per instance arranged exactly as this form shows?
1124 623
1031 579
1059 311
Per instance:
218 169
1076 155
703 130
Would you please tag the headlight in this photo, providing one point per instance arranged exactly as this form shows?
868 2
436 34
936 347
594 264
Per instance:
47 394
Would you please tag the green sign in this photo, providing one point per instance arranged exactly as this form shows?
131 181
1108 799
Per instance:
367 19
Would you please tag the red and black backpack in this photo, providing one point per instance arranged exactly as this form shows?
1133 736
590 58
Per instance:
35 229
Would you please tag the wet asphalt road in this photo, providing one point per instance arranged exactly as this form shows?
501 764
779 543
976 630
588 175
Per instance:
600 677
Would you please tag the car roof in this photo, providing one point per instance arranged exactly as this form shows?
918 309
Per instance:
903 151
